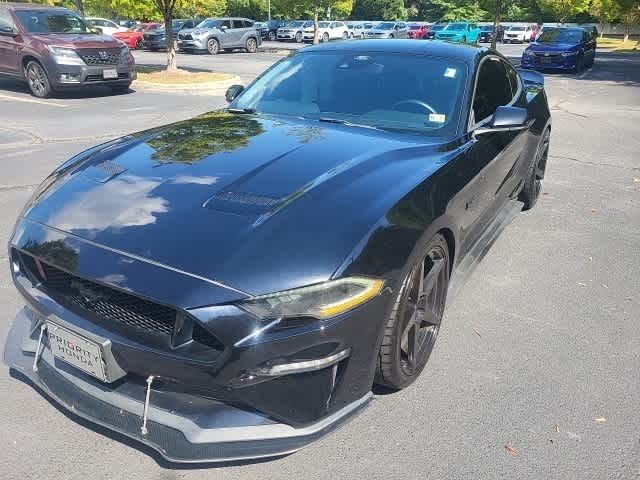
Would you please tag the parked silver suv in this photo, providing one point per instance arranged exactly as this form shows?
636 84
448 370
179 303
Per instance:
215 34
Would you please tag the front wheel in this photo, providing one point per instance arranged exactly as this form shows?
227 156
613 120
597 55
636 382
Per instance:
412 328
213 47
579 63
37 79
325 37
345 36
533 183
272 36
299 37
252 45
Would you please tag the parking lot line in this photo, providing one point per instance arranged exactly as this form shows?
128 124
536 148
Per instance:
29 100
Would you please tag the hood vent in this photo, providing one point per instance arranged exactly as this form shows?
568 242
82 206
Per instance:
243 202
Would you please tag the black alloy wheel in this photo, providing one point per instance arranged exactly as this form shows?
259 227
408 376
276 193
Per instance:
37 79
213 47
252 45
533 182
412 329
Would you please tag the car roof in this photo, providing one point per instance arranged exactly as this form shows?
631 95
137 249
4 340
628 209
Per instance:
30 6
436 48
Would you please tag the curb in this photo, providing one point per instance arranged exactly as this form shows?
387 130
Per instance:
216 87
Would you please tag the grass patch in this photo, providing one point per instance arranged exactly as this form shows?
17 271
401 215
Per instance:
158 74
618 45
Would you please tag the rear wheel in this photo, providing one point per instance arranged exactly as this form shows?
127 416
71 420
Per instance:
411 331
299 37
213 47
37 79
345 36
533 183
252 45
138 44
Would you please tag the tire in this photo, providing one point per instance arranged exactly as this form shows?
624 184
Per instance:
37 80
345 35
409 336
138 45
325 37
271 36
391 36
299 37
533 183
120 89
252 45
213 47
579 63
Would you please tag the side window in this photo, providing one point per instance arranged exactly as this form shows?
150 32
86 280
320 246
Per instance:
6 22
248 24
493 89
514 79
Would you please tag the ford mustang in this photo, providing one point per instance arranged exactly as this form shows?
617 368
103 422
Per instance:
232 286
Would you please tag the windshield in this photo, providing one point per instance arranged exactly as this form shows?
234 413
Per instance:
209 23
295 24
560 36
43 21
487 28
385 26
323 24
328 85
456 26
516 29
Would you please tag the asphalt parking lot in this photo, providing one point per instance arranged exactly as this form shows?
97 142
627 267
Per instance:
536 374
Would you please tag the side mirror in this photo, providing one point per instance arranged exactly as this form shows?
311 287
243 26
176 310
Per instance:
232 92
224 27
506 119
9 32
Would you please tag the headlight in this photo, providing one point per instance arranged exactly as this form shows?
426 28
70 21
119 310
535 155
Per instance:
65 56
124 54
568 54
321 301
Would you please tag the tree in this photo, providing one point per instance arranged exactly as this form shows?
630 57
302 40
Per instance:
166 8
496 10
605 11
562 10
629 14
379 9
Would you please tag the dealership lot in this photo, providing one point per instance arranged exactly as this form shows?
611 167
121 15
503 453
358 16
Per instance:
539 351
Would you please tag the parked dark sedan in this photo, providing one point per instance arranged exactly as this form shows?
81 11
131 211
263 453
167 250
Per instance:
232 286
157 39
269 29
561 48
487 32
431 32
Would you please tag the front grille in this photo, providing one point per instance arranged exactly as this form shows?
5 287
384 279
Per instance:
109 56
100 78
185 36
109 305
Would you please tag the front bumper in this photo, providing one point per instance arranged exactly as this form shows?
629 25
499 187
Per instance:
182 428
194 44
286 35
73 76
210 403
551 62
153 44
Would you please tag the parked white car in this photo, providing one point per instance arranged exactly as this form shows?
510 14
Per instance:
294 30
517 33
328 31
107 27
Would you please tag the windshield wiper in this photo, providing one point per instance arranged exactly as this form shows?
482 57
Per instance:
241 110
339 121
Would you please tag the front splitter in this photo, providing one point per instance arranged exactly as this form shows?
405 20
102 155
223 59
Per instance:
225 434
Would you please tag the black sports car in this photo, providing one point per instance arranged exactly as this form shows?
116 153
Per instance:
487 33
232 286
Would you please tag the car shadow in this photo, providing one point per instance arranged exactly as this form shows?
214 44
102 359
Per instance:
20 87
141 447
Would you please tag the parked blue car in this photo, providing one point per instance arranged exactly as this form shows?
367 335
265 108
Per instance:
561 48
463 32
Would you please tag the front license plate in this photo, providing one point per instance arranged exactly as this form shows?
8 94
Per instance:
109 73
76 350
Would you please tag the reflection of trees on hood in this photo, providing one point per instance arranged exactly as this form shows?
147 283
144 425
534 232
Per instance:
199 137
55 252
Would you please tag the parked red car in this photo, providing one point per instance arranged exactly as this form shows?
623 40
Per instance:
417 30
133 37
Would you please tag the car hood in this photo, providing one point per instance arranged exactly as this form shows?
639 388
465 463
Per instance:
78 41
260 203
551 47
